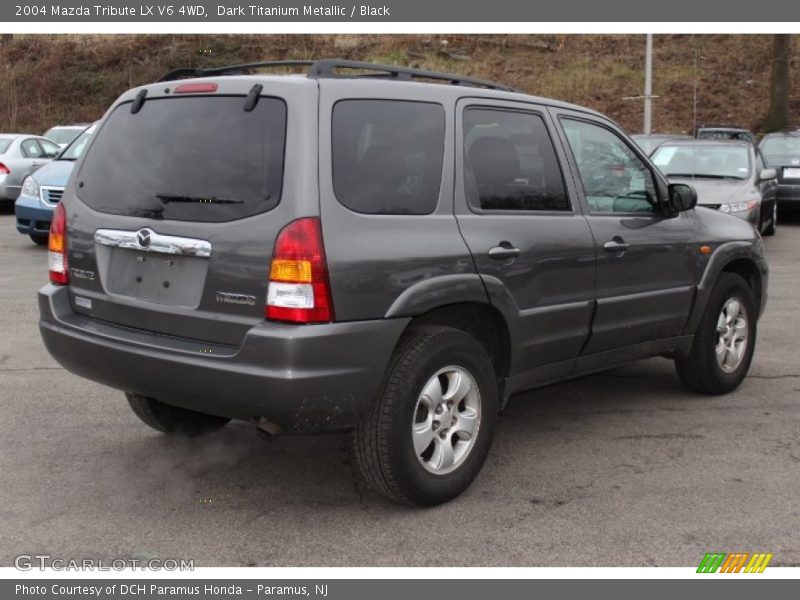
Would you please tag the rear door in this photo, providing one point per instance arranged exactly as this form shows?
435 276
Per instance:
519 216
174 209
32 157
646 263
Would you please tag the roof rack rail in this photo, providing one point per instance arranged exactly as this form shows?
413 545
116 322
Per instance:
244 69
332 67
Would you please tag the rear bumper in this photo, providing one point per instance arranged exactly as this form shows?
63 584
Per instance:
9 192
788 193
304 378
31 217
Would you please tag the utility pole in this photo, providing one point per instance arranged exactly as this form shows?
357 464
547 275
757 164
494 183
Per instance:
648 86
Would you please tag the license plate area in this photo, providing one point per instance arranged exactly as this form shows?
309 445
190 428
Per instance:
153 277
791 173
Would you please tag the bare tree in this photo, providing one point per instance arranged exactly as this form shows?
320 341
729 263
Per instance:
6 38
778 116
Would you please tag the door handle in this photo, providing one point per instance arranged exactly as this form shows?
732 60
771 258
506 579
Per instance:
503 251
617 244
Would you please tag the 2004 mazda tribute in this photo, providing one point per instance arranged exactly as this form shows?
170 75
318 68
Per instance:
383 254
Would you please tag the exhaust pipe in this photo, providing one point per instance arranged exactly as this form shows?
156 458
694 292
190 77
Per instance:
267 429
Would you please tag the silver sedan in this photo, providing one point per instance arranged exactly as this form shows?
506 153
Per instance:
21 155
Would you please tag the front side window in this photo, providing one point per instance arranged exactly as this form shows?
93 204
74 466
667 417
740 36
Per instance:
50 150
614 178
510 162
387 155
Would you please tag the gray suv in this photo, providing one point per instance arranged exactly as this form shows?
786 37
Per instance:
386 251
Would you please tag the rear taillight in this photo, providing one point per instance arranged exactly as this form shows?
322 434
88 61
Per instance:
196 88
57 247
299 290
4 170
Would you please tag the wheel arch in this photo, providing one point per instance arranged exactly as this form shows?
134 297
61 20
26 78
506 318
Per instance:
479 319
741 258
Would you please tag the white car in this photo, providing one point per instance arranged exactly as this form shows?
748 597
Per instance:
63 135
20 155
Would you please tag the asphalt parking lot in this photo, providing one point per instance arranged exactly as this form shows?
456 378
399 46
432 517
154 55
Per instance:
622 468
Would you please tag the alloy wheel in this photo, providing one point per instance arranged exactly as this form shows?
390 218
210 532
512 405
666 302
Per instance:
732 335
447 419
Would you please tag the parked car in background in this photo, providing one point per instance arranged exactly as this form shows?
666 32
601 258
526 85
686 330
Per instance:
63 135
649 142
782 152
726 133
363 249
20 155
729 176
42 190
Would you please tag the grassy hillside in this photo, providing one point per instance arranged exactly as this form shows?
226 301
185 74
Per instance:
57 79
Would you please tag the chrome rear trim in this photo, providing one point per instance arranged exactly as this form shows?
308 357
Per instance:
147 240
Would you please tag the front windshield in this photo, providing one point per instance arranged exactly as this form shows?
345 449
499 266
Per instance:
62 135
703 161
781 146
76 148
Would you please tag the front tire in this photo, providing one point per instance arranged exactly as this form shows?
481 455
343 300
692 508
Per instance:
171 419
429 432
723 346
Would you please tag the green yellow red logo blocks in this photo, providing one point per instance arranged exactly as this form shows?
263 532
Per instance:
737 562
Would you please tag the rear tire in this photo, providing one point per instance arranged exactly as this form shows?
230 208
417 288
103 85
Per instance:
171 419
40 238
723 345
429 431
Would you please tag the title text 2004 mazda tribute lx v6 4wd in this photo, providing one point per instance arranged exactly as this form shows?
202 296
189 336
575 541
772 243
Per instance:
393 255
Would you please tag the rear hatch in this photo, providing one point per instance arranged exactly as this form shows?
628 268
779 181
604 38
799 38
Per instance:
787 168
175 207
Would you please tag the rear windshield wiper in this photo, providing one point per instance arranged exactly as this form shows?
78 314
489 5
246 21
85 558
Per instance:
166 198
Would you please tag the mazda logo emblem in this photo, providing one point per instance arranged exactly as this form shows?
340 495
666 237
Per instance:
144 237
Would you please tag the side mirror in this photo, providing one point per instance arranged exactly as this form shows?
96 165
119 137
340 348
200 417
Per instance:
767 174
681 197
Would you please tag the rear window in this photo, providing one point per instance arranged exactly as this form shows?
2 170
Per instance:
188 159
63 135
4 144
387 155
775 146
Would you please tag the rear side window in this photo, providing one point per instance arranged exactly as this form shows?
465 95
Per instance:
510 162
200 158
387 155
